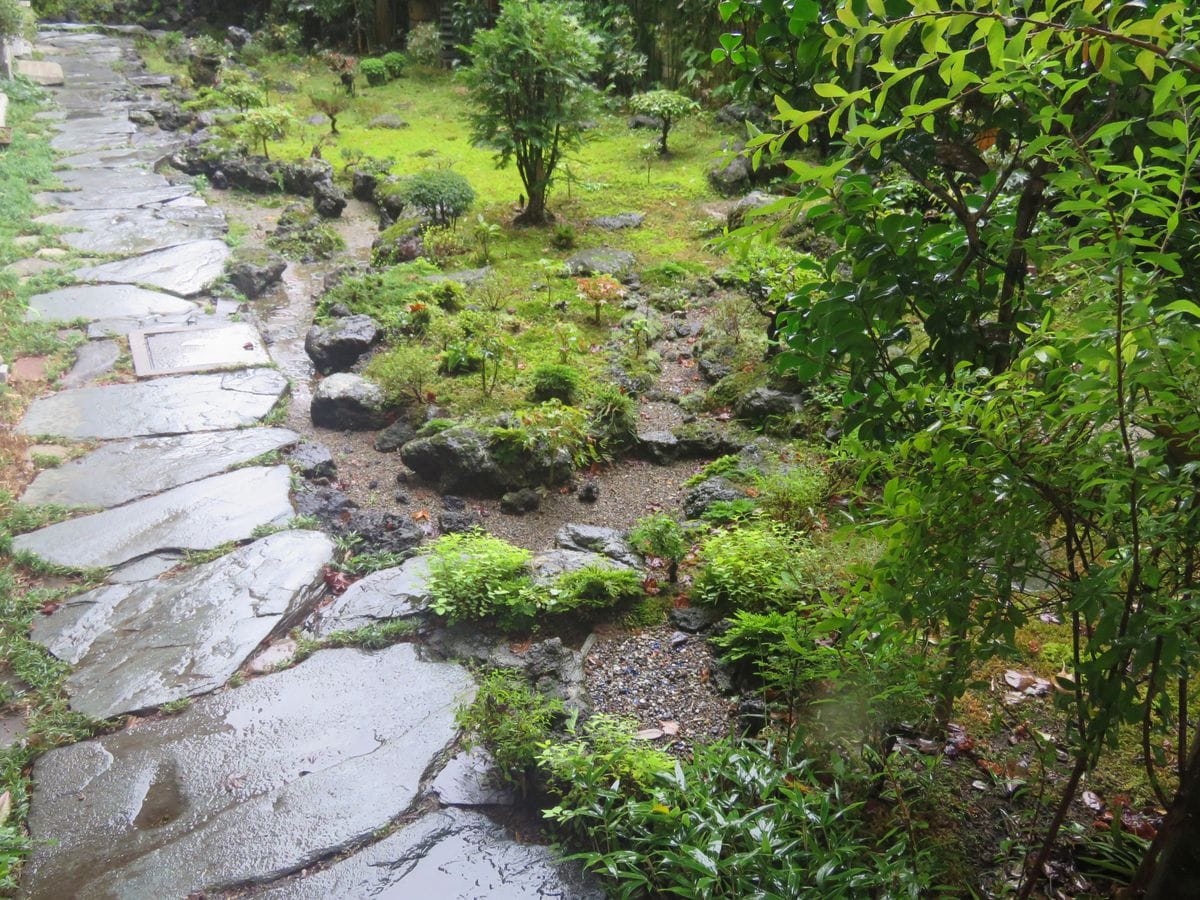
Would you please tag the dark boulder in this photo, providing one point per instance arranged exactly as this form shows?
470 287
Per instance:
326 504
470 460
238 37
708 492
313 460
383 532
640 121
763 403
733 177
394 436
252 271
705 440
601 261
659 446
329 200
517 503
338 346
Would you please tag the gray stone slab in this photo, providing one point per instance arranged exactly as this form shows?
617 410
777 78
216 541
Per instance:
388 594
197 516
79 135
106 302
146 568
128 232
246 785
49 74
452 854
187 269
172 351
137 646
92 360
119 158
125 471
165 406
110 199
469 780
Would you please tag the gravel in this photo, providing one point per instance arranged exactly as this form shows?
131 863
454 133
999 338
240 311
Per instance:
659 676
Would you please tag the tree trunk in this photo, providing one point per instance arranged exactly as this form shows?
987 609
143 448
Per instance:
662 141
385 23
1171 867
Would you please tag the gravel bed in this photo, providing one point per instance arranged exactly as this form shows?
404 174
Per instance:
657 676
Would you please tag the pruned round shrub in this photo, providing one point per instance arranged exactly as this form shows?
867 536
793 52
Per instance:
395 63
441 194
554 382
374 71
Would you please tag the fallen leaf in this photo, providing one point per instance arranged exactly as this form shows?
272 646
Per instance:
5 806
421 515
50 607
1018 681
1092 801
671 728
648 734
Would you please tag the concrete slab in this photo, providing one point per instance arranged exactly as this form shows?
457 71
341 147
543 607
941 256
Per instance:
180 405
175 351
128 470
197 516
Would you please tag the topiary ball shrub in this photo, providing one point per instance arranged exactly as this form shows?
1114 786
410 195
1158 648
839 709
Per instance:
441 194
374 71
395 63
555 382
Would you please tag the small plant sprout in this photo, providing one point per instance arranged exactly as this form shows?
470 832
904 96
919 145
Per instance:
666 106
599 292
485 233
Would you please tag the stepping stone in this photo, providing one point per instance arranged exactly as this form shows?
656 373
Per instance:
187 269
119 473
246 785
174 351
197 516
108 200
397 593
47 74
118 308
468 780
138 646
79 135
165 406
126 232
92 360
452 853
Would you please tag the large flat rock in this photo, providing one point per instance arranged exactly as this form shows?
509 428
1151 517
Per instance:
181 405
448 855
186 269
397 593
197 516
95 302
49 74
247 785
139 645
174 351
99 133
127 232
121 472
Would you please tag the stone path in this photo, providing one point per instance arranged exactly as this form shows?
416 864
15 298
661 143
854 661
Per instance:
324 779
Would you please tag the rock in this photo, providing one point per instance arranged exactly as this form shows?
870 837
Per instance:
464 459
517 503
348 402
738 114
117 473
313 460
708 492
448 853
659 446
253 271
128 232
138 646
382 532
716 362
329 505
47 74
395 436
589 492
469 780
705 440
238 37
693 619
548 565
451 521
640 121
186 270
179 405
337 347
736 217
601 261
395 247
246 785
619 221
116 308
329 200
171 117
596 539
762 403
387 120
398 593
197 516
732 178
93 359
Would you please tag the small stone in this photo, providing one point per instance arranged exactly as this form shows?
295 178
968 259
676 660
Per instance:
517 503
589 492
389 121
314 460
348 402
394 436
678 639
692 619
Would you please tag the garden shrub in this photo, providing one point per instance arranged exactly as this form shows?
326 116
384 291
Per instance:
442 194
666 106
424 45
778 650
605 753
473 575
724 512
374 71
594 587
550 428
381 295
563 237
795 496
395 63
404 373
661 536
752 566
613 417
555 382
731 467
512 720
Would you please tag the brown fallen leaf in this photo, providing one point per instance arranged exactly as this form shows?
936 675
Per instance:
1018 681
671 728
648 734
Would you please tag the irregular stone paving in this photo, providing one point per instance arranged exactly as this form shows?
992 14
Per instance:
304 771
198 516
248 784
117 473
447 855
136 646
179 405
